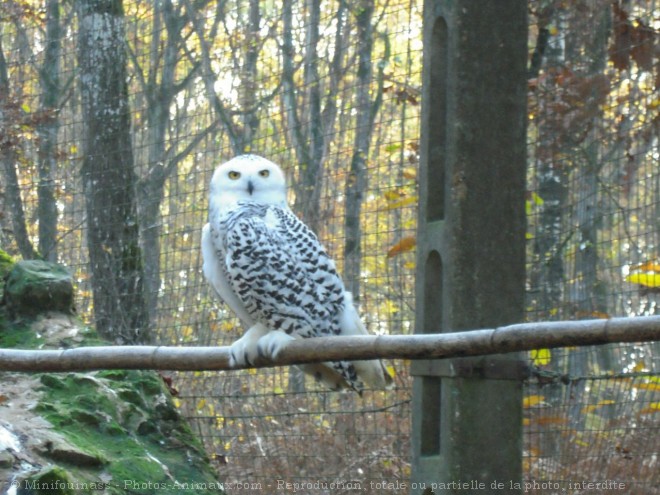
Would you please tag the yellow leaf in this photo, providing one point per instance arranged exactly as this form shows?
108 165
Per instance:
532 199
393 195
640 366
581 443
228 326
652 387
648 266
526 422
200 404
405 244
540 357
593 407
654 407
410 265
551 420
581 315
412 200
409 173
645 279
390 369
532 400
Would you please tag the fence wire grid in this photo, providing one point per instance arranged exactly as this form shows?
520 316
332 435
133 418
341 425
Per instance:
208 80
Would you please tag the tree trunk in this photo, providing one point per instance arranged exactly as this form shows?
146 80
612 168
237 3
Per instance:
311 165
108 175
249 77
159 100
356 182
9 157
49 78
553 190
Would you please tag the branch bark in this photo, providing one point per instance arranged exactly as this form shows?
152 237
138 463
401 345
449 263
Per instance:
512 338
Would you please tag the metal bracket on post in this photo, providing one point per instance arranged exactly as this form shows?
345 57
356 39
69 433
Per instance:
491 368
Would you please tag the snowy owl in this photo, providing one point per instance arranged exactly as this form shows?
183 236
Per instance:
273 272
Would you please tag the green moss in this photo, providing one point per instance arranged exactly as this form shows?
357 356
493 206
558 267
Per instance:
6 264
132 396
21 333
35 286
85 418
116 375
53 481
17 334
51 381
127 421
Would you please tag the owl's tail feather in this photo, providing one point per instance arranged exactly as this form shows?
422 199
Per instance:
372 373
326 375
346 375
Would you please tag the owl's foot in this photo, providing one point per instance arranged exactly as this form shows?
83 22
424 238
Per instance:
245 350
272 343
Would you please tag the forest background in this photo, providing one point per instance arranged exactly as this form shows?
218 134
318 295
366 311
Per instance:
113 117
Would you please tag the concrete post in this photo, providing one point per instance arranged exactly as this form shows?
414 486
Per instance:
467 412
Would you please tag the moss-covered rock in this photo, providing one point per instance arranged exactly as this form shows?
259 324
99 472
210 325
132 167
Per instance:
86 435
107 432
90 411
34 286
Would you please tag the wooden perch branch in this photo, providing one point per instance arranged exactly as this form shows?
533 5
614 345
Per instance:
510 338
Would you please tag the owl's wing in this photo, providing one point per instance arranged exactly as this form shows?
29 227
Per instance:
216 274
281 274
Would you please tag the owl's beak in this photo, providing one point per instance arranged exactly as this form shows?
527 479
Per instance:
250 187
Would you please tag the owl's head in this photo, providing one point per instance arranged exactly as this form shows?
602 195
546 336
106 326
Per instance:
248 177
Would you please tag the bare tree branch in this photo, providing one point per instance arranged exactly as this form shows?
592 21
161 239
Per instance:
512 338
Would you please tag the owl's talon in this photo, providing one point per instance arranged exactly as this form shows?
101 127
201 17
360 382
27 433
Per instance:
270 345
244 351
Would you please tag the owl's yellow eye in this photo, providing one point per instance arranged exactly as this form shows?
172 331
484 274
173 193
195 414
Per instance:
264 173
233 175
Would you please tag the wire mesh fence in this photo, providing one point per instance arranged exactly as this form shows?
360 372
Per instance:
207 80
593 209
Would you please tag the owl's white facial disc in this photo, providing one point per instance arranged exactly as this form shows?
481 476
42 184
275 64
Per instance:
248 178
